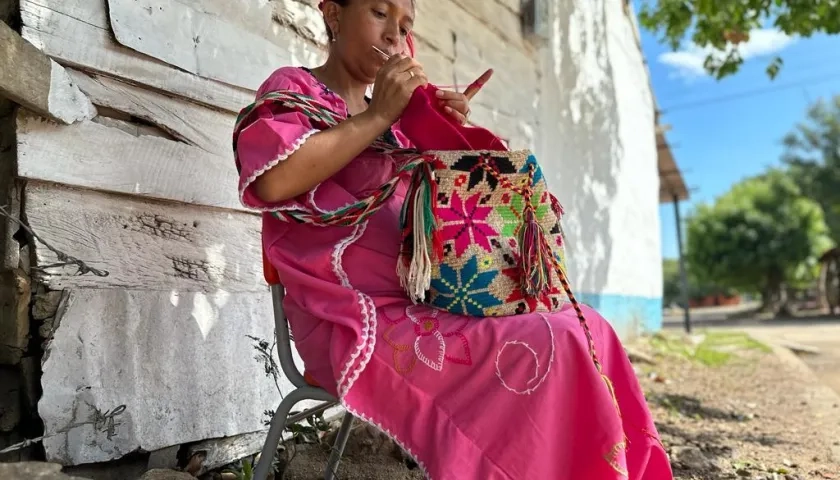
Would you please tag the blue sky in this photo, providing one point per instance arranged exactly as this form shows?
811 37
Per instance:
723 131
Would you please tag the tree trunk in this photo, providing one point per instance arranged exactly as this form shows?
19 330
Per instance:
785 309
775 300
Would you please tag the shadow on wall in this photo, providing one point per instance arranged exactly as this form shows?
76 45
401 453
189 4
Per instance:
579 144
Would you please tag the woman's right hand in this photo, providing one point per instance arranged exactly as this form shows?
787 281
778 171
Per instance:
394 85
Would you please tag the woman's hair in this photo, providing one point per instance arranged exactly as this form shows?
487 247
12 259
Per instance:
343 3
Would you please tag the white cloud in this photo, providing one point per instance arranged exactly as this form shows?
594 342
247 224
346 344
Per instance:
688 63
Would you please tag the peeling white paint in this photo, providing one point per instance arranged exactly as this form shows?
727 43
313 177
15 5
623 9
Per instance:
180 363
66 101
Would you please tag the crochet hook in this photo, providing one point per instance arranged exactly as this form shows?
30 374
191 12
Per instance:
381 52
477 84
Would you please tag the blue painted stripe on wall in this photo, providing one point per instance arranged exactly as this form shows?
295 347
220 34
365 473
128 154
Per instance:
630 315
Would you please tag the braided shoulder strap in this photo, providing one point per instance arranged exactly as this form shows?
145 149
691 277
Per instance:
323 118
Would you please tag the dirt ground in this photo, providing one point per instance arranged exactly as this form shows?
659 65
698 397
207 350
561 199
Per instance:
369 455
726 407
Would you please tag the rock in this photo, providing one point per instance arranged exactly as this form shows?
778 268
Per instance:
33 471
163 474
637 356
693 459
800 349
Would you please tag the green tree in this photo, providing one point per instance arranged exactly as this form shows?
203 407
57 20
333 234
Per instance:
723 25
671 283
759 237
813 156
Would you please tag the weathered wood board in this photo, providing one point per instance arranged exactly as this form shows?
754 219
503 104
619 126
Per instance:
253 14
98 157
171 358
31 79
15 295
9 191
146 245
198 42
77 33
197 125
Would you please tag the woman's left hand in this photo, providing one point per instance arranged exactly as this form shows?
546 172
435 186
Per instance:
458 104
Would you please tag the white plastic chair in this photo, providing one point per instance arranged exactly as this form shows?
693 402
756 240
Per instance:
304 390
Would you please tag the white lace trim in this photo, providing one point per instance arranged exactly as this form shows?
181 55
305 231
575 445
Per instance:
364 348
321 210
286 154
539 381
368 344
390 435
338 254
312 200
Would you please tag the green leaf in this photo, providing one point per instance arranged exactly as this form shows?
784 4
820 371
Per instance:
774 67
719 24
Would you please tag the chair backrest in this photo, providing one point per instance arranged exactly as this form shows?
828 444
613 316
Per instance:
281 326
269 272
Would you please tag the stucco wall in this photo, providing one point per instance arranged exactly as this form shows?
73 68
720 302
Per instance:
597 144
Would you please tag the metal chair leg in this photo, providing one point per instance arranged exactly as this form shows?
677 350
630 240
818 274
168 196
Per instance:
278 424
338 448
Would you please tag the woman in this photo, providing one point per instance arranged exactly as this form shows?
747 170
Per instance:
468 398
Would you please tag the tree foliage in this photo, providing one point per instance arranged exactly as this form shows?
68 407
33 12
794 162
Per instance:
761 235
671 288
722 25
672 284
813 156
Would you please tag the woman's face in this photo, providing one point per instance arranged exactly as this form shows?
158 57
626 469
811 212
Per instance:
363 24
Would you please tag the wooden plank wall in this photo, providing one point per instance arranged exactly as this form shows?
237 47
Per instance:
146 189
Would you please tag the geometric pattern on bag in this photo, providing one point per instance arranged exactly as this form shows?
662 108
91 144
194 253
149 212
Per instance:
492 235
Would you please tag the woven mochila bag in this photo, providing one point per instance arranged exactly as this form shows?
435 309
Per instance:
481 233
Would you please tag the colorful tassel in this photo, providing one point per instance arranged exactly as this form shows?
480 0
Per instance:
421 238
534 255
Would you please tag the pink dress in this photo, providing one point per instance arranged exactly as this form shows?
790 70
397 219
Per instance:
468 398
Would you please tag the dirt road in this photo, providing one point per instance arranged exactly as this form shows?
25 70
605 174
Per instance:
802 335
728 407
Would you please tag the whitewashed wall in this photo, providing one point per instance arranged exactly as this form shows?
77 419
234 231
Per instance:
597 144
146 191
